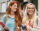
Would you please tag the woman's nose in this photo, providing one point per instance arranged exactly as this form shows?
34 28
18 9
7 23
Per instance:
15 7
30 9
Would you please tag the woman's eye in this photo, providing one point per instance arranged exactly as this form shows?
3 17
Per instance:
15 5
30 8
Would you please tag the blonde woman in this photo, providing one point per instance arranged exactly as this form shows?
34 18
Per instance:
30 19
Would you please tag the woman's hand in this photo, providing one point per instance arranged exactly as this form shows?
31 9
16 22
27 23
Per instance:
17 28
6 28
1 23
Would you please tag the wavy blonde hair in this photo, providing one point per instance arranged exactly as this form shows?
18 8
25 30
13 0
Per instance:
26 15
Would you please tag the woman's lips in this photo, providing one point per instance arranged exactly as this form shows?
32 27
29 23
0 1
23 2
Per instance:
30 11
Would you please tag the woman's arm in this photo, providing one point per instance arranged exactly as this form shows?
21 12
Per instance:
3 23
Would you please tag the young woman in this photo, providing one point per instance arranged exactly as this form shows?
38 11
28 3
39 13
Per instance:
30 19
13 18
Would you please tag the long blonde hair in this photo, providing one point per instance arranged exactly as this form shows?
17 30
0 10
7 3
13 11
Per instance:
26 16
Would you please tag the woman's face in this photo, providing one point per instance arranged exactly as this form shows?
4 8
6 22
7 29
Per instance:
13 7
30 9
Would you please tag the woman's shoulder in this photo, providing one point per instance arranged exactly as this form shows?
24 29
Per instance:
4 16
36 17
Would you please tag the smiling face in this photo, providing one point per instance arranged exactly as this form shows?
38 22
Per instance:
14 7
30 9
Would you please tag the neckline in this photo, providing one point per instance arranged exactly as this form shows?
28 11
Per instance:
11 17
